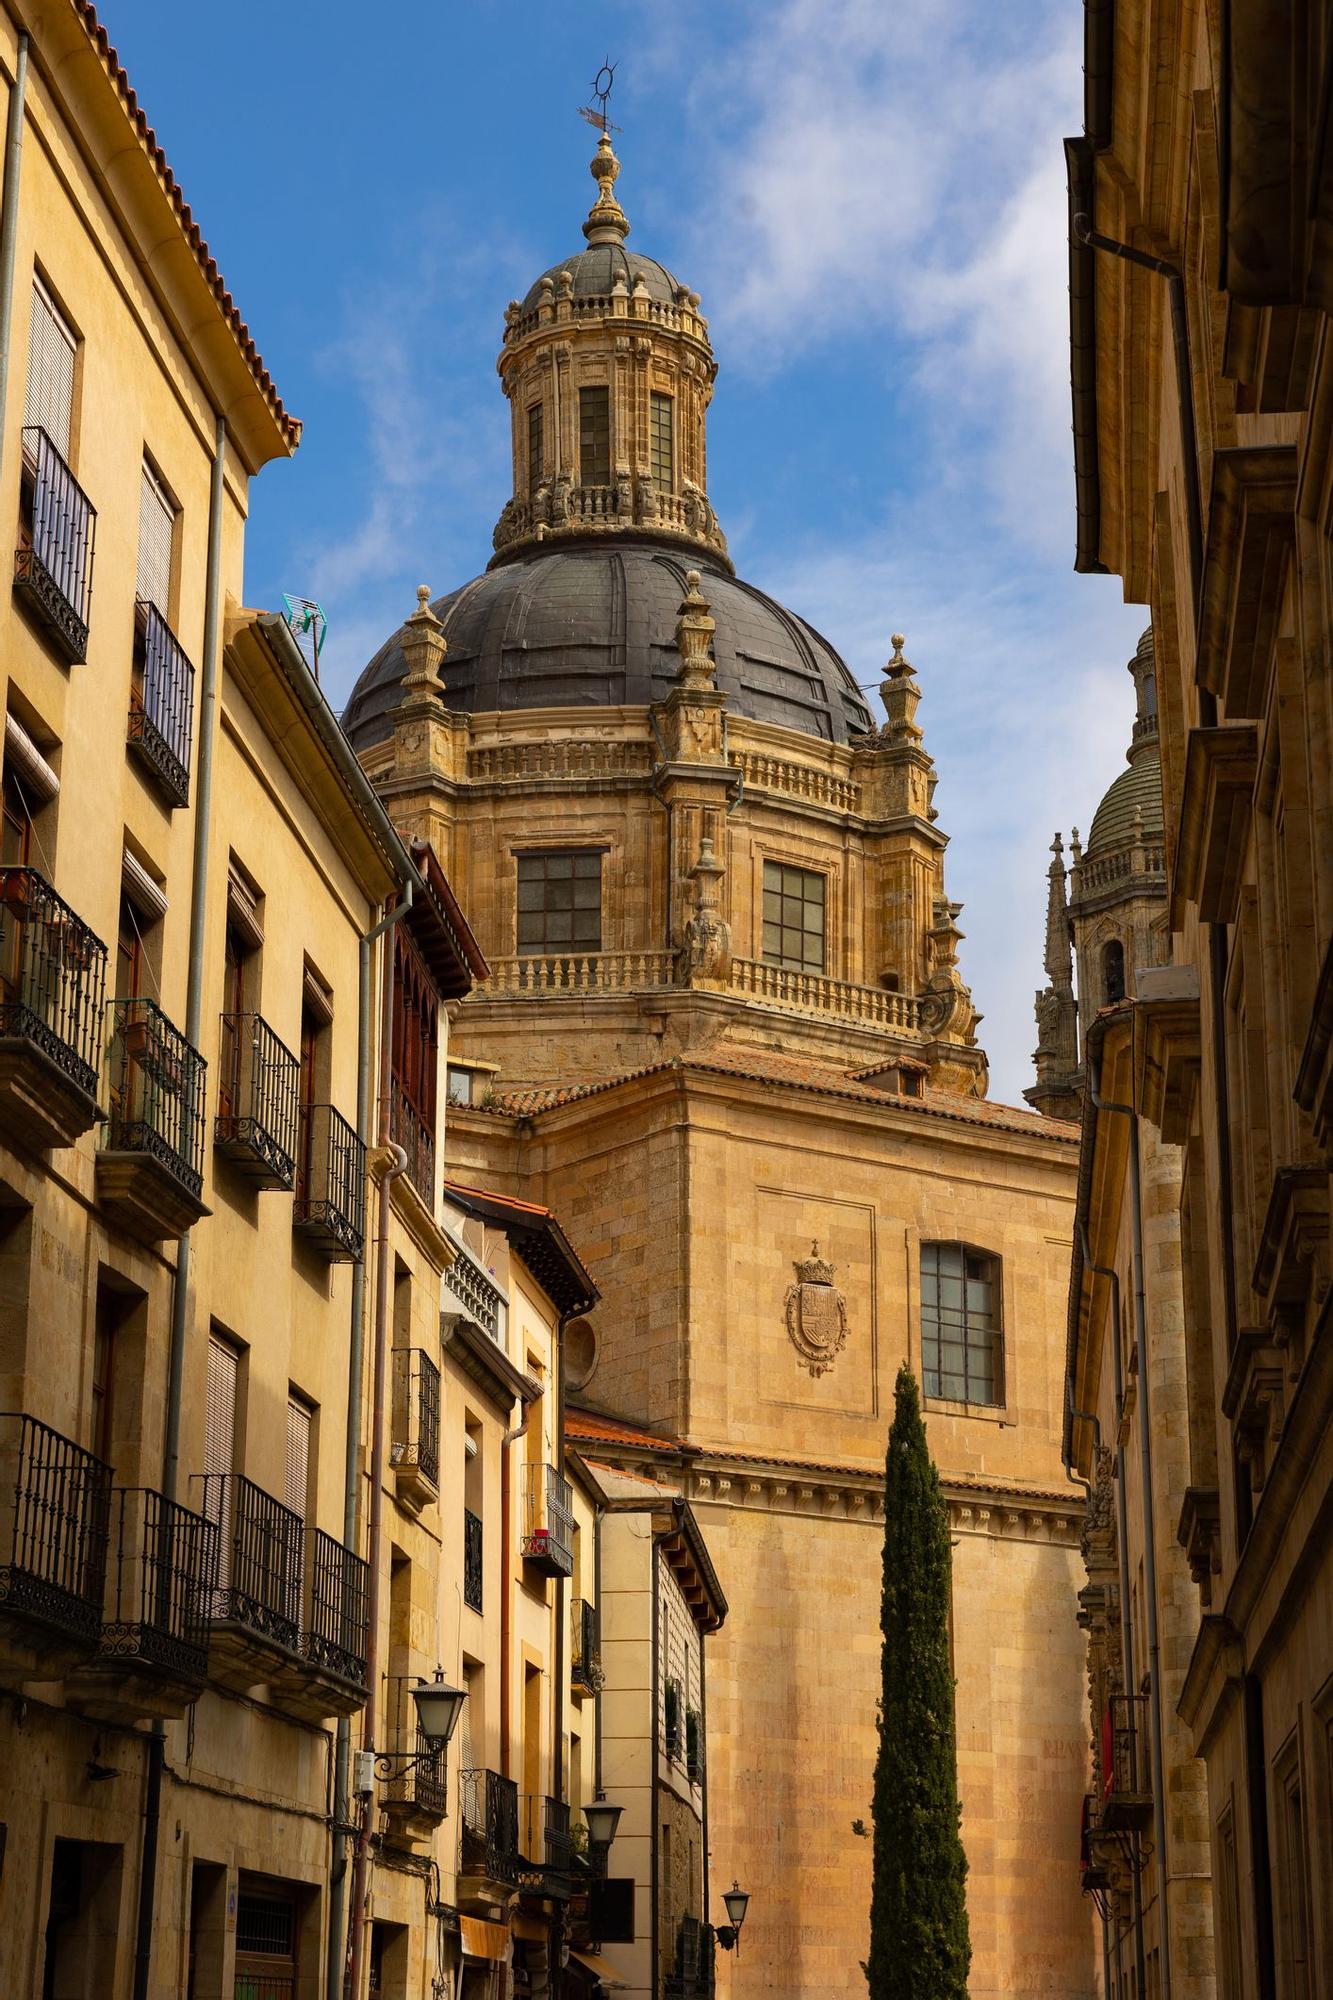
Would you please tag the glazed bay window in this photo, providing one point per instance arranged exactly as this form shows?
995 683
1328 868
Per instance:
161 724
962 1340
560 902
661 458
594 437
794 910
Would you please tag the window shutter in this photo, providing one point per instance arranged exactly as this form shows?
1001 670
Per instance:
298 1457
220 1417
50 371
157 527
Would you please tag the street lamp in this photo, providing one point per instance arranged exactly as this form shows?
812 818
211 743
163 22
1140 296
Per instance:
438 1708
737 1901
601 1821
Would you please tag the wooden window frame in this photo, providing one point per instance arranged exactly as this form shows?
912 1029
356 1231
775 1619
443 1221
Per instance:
415 1057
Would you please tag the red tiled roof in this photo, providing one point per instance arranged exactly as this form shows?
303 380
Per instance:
797 1072
588 1426
97 35
526 1210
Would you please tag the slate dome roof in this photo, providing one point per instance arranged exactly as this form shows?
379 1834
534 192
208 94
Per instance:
595 269
594 626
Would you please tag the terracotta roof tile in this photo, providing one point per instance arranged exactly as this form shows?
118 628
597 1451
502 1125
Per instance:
588 1427
101 41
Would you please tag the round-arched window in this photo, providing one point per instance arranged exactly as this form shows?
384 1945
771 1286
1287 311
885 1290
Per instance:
1113 972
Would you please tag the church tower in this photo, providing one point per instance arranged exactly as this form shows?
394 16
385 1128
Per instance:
726 1035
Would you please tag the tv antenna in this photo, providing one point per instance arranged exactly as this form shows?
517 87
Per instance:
601 89
305 619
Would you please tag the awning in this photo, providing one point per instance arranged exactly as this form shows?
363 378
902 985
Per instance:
483 1940
600 1968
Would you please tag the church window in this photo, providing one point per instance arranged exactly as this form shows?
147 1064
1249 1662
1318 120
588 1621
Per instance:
559 902
534 447
594 437
660 441
962 1344
1113 972
793 917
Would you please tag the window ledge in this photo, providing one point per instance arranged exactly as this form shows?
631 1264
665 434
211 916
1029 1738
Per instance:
986 1413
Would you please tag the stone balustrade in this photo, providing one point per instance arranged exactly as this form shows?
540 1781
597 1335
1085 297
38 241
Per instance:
580 972
765 773
1112 869
573 758
816 993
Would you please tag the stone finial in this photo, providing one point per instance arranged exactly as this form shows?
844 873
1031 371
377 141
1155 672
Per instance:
707 953
607 221
900 695
424 647
694 637
1059 959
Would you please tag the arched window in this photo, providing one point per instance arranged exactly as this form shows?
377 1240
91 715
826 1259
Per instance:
962 1338
1113 972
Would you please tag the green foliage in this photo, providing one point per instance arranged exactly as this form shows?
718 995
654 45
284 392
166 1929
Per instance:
919 1947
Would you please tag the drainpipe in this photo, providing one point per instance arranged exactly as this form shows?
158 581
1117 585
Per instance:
335 1966
194 1007
519 1430
561 1600
1149 1518
599 1515
395 1164
9 209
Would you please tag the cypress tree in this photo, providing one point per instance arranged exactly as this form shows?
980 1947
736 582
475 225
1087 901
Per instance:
919 1947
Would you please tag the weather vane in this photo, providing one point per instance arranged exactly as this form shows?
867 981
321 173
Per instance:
601 90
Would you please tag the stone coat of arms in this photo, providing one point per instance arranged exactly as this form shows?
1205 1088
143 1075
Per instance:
816 1313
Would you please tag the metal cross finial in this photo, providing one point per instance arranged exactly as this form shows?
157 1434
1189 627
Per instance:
602 85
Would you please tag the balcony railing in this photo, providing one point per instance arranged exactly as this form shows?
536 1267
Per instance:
261 1559
259 1082
416 1415
161 725
580 972
548 1520
156 1092
816 993
1126 1763
543 1839
408 1129
337 1601
585 1650
477 1293
53 564
473 1570
54 1502
489 1825
423 1789
162 1572
330 1184
52 977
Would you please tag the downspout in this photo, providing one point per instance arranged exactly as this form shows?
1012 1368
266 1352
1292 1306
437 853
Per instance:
512 1436
395 1164
194 1008
561 1602
599 1515
336 1954
1149 1519
9 210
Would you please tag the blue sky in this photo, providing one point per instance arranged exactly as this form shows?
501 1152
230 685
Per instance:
870 199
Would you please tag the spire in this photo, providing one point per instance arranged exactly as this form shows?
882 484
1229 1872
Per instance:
1143 667
1059 957
1056 1093
607 221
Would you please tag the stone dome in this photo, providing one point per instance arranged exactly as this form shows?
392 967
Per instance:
595 268
1139 785
593 626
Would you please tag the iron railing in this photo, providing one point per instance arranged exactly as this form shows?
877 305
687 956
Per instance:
260 1558
259 1082
548 1517
54 1502
482 1300
1127 1772
161 725
585 1648
425 1786
694 1976
543 1839
337 1601
162 1572
416 1412
52 976
331 1183
408 1129
489 1825
473 1560
156 1092
53 564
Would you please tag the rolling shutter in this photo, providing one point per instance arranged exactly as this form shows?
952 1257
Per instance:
297 1485
50 371
157 528
220 1417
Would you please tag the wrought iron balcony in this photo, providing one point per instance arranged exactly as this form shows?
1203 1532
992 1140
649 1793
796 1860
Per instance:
473 1560
415 1794
54 1501
544 1844
481 1299
1126 1764
150 1167
329 1677
585 1650
259 1082
52 1002
330 1209
415 1447
53 563
408 1129
548 1521
161 725
255 1612
161 1573
489 1847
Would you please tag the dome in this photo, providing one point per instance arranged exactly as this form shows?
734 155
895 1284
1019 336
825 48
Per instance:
1139 785
595 269
593 626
